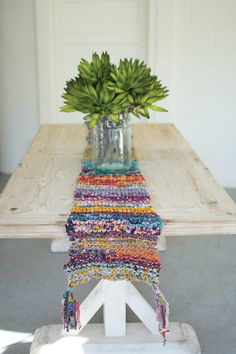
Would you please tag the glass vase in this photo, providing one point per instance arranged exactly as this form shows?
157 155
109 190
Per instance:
111 145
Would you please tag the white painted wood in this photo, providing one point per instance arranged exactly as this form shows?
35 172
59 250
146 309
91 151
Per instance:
152 34
36 200
141 308
46 58
114 308
53 339
114 295
91 304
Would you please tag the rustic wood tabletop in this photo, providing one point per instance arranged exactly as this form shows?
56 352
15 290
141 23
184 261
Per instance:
38 197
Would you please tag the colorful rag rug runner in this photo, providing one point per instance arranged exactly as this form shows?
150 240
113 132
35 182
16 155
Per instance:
113 231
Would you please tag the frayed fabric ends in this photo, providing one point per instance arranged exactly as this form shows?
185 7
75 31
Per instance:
162 313
70 309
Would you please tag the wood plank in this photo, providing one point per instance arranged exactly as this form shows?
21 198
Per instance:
53 339
37 199
142 309
114 307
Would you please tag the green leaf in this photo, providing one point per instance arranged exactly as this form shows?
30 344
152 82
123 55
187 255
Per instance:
151 100
114 118
120 98
117 109
136 112
95 116
67 108
140 90
130 99
114 77
88 117
146 113
144 99
119 90
158 109
92 123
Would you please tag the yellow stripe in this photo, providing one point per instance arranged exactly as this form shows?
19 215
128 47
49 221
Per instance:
111 209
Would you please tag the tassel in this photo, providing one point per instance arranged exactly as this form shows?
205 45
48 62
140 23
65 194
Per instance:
162 313
70 309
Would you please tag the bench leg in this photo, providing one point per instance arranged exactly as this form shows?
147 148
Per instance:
120 337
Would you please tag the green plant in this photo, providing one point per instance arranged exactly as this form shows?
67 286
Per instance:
102 89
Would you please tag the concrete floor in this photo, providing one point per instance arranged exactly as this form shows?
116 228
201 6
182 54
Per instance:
198 279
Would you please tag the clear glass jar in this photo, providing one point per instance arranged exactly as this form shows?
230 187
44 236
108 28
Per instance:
111 145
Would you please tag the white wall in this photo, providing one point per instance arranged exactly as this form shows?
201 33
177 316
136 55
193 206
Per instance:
18 83
200 38
196 56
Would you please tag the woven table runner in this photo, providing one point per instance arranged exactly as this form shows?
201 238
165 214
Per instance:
113 231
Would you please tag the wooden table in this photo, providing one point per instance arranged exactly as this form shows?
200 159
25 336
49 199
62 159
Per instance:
37 199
